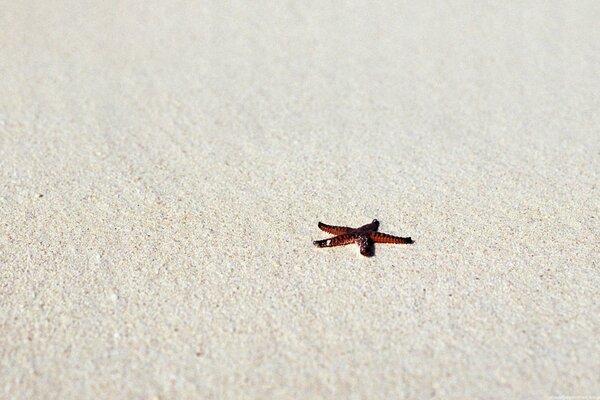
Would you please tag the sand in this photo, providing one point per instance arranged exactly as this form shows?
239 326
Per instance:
163 167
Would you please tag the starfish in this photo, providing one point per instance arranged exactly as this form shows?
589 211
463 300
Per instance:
364 236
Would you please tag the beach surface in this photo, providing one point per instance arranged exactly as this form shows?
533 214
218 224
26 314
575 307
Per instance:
164 165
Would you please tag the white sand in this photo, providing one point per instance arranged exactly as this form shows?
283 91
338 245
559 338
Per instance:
185 154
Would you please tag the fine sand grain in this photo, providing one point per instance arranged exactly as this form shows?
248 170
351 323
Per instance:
163 167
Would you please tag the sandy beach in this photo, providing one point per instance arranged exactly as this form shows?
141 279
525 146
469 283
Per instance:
164 165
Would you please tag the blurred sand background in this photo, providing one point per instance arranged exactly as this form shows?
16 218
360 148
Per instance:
163 166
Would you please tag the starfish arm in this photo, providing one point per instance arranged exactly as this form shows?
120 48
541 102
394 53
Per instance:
334 230
336 241
366 246
379 237
373 226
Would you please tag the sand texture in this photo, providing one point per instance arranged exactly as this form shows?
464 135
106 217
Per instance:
163 167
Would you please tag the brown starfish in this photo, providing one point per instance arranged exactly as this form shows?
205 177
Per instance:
365 237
